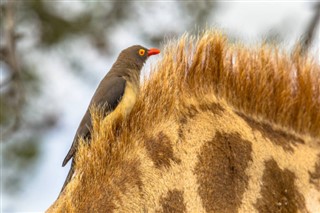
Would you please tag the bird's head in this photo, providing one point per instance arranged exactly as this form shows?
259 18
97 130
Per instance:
137 55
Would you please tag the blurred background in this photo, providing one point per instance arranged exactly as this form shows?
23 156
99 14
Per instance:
54 53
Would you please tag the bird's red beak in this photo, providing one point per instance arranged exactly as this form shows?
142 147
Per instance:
153 51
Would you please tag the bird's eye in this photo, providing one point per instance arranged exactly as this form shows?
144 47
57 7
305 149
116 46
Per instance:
141 52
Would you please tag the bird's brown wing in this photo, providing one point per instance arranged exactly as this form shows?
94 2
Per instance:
107 96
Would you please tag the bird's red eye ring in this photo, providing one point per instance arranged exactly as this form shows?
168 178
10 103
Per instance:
141 52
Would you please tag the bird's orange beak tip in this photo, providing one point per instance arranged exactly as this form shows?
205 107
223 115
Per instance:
153 51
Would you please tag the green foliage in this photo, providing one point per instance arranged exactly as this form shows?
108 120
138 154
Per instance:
52 27
19 158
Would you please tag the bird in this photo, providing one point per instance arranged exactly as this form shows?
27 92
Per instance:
117 90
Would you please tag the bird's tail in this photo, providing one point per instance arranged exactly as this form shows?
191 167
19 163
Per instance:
69 156
69 176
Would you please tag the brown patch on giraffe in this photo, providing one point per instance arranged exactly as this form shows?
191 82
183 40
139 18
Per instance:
221 173
278 191
315 176
180 132
182 123
192 110
160 151
277 137
183 120
130 175
215 108
173 202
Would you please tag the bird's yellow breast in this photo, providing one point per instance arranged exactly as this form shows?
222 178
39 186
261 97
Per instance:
127 102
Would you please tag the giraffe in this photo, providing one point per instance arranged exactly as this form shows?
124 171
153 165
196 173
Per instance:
218 127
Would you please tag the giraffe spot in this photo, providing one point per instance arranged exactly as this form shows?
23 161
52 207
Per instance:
277 137
220 172
278 191
173 202
214 108
160 151
180 132
183 121
128 176
315 176
193 110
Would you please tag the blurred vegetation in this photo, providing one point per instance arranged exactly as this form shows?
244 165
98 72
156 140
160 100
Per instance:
51 26
19 158
21 133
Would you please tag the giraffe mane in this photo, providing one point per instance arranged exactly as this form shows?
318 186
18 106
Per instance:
264 82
